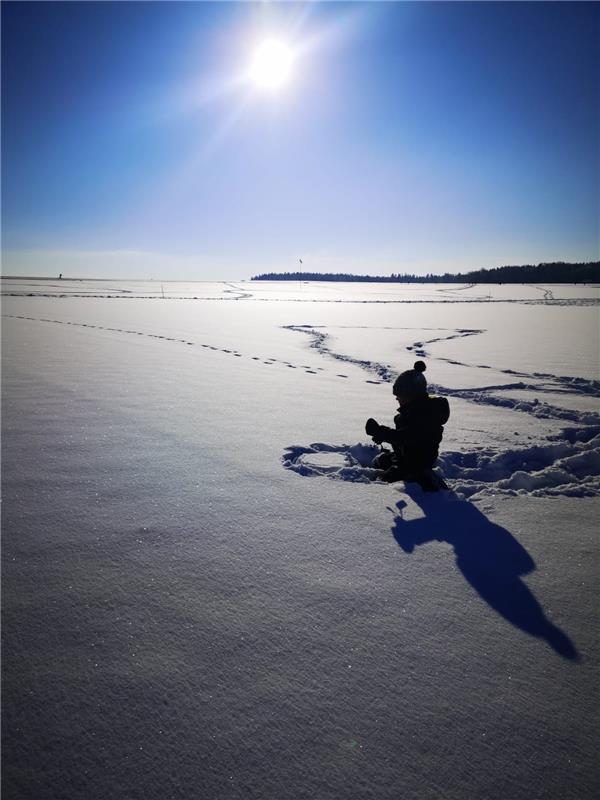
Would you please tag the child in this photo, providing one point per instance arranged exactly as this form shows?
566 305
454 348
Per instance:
418 433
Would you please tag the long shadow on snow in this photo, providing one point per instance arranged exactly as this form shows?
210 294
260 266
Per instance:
489 557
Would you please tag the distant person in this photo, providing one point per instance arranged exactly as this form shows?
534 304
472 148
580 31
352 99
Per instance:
415 439
60 277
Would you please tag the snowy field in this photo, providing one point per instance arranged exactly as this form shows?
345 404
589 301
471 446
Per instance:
206 596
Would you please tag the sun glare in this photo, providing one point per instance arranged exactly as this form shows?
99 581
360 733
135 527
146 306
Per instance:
271 64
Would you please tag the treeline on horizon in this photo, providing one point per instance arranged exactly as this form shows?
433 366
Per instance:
553 272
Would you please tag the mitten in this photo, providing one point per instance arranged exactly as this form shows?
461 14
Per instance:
372 429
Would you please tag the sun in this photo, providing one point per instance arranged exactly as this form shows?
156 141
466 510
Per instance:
271 64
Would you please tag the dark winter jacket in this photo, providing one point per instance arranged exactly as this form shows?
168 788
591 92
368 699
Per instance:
418 433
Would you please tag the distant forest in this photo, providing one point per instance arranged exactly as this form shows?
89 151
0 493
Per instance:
553 272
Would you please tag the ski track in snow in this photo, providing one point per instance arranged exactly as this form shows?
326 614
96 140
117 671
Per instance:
568 467
239 294
234 293
548 293
386 373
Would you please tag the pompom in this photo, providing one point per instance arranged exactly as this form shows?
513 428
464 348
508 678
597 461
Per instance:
419 366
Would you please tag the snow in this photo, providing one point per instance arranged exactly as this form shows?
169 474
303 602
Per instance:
206 594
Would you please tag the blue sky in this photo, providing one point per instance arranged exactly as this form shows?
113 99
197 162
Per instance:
411 137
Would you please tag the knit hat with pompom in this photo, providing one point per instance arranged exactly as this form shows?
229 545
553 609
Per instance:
411 383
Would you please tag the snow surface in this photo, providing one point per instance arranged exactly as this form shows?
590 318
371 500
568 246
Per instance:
206 594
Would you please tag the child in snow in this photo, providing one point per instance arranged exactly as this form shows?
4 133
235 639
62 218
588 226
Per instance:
419 429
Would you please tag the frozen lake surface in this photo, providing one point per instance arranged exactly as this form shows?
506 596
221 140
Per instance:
205 594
